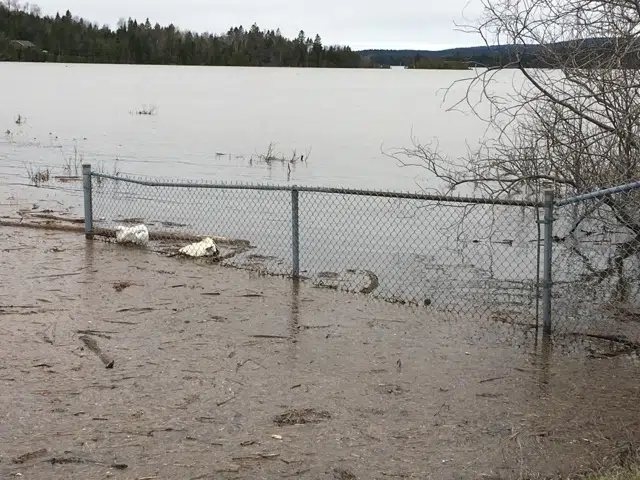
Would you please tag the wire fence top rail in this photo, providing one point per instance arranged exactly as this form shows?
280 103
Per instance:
336 190
598 194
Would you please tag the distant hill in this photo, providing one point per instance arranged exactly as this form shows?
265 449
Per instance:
472 56
593 52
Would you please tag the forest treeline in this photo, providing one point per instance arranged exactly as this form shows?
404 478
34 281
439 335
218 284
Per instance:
65 38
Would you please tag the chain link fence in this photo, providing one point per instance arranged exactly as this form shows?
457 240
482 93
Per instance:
454 255
596 267
465 257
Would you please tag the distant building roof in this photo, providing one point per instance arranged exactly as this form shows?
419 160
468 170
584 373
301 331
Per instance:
24 43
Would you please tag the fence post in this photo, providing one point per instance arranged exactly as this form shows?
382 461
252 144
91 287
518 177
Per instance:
295 236
547 281
88 203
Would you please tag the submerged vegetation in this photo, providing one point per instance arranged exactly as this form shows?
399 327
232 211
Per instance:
150 110
36 175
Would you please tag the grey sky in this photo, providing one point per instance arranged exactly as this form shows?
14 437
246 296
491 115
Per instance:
424 24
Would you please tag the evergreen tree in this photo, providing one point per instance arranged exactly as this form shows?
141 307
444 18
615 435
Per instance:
68 39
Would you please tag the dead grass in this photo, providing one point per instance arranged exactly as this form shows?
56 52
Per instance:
300 417
632 473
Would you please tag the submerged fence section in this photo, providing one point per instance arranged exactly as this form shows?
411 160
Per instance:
595 265
512 262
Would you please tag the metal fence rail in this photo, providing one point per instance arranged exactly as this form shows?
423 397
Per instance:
506 261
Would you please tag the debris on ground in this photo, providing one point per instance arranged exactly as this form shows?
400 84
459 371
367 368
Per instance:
120 286
93 346
204 248
299 417
138 234
30 456
343 474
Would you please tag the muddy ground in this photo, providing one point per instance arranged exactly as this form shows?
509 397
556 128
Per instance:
117 362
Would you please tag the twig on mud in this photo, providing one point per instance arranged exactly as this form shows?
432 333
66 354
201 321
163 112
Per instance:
241 364
93 346
489 395
120 286
56 275
49 338
343 474
5 307
136 309
368 435
121 322
270 336
140 434
296 474
205 419
25 457
443 407
119 466
257 456
226 401
97 333
493 379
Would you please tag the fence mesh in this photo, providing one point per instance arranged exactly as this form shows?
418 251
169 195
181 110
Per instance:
251 228
463 257
479 260
596 268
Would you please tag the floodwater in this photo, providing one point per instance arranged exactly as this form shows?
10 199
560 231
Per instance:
211 124
216 373
210 121
208 125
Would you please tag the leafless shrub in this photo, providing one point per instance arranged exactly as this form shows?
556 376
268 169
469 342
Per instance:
570 122
37 176
73 163
101 168
271 155
149 110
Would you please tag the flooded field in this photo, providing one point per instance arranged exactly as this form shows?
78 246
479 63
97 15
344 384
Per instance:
120 362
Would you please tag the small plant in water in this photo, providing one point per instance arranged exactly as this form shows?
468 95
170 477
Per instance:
37 176
147 110
271 156
101 168
73 163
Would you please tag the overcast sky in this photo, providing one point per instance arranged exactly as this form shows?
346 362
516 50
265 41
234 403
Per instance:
419 24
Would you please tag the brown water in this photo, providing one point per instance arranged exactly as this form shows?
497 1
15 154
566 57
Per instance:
208 362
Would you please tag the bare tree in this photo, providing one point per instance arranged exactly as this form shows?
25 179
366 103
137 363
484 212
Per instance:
570 118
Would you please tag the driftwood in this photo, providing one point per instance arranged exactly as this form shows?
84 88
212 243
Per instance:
93 346
110 233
